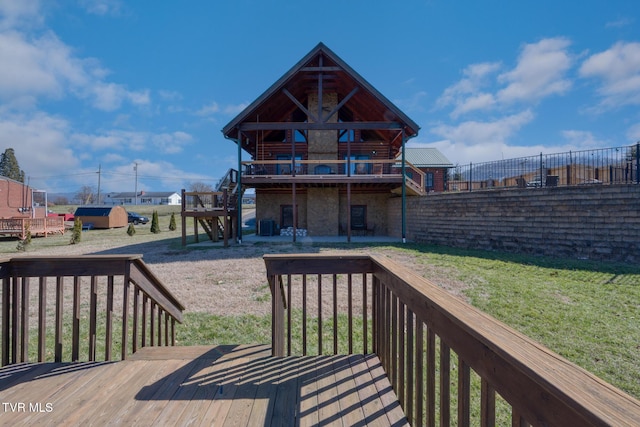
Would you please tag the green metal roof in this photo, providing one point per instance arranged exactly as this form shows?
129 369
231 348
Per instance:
426 157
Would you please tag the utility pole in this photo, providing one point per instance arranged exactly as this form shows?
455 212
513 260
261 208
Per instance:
135 168
99 175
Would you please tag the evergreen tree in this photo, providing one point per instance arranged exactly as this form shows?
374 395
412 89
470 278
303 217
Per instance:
9 166
172 222
76 234
131 230
24 243
155 223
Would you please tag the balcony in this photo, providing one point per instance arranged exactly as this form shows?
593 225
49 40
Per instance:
356 340
365 172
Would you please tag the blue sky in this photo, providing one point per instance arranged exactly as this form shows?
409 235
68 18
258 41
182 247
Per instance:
112 83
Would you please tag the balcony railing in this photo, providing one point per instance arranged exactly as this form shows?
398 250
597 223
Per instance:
361 168
86 295
440 353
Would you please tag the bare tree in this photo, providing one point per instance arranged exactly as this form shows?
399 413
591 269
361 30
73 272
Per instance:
200 187
86 195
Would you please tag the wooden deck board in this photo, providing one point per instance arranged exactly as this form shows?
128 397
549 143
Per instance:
223 385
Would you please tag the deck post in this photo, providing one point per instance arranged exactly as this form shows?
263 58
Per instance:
239 209
184 219
404 192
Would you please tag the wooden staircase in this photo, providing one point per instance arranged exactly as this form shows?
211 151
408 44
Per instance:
213 210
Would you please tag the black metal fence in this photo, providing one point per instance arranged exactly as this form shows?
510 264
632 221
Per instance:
619 165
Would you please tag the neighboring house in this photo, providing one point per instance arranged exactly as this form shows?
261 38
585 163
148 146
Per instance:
18 200
434 165
323 145
144 198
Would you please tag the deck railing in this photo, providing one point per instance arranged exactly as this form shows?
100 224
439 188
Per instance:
71 304
36 226
335 168
194 201
445 359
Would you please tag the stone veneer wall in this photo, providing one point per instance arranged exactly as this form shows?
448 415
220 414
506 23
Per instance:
268 206
600 222
322 211
376 210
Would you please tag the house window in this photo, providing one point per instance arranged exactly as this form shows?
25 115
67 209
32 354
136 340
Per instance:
428 180
284 168
359 217
361 167
286 216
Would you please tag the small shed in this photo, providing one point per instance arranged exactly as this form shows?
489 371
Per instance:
102 216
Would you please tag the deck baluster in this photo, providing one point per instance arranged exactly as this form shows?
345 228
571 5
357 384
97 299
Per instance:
445 384
145 304
75 339
93 319
42 318
464 393
108 339
59 304
136 310
24 321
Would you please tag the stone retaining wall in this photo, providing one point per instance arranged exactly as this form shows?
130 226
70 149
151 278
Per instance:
589 222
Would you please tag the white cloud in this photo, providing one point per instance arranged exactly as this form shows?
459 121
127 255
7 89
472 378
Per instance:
480 101
618 69
15 13
123 140
484 133
414 103
583 139
171 143
214 108
44 66
540 72
29 69
465 94
110 96
232 109
633 133
208 110
102 7
40 143
619 23
151 174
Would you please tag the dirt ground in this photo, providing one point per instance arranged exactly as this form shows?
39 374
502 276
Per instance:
209 278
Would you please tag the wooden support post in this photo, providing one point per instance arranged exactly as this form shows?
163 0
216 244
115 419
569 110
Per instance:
184 220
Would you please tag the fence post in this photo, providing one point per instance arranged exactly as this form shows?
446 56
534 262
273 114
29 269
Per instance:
471 176
541 171
638 162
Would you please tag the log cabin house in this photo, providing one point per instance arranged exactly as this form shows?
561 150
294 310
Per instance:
323 144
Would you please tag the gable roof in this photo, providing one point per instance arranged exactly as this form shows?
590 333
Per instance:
364 102
93 211
426 157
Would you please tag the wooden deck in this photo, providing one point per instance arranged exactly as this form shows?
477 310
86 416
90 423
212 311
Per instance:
209 386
